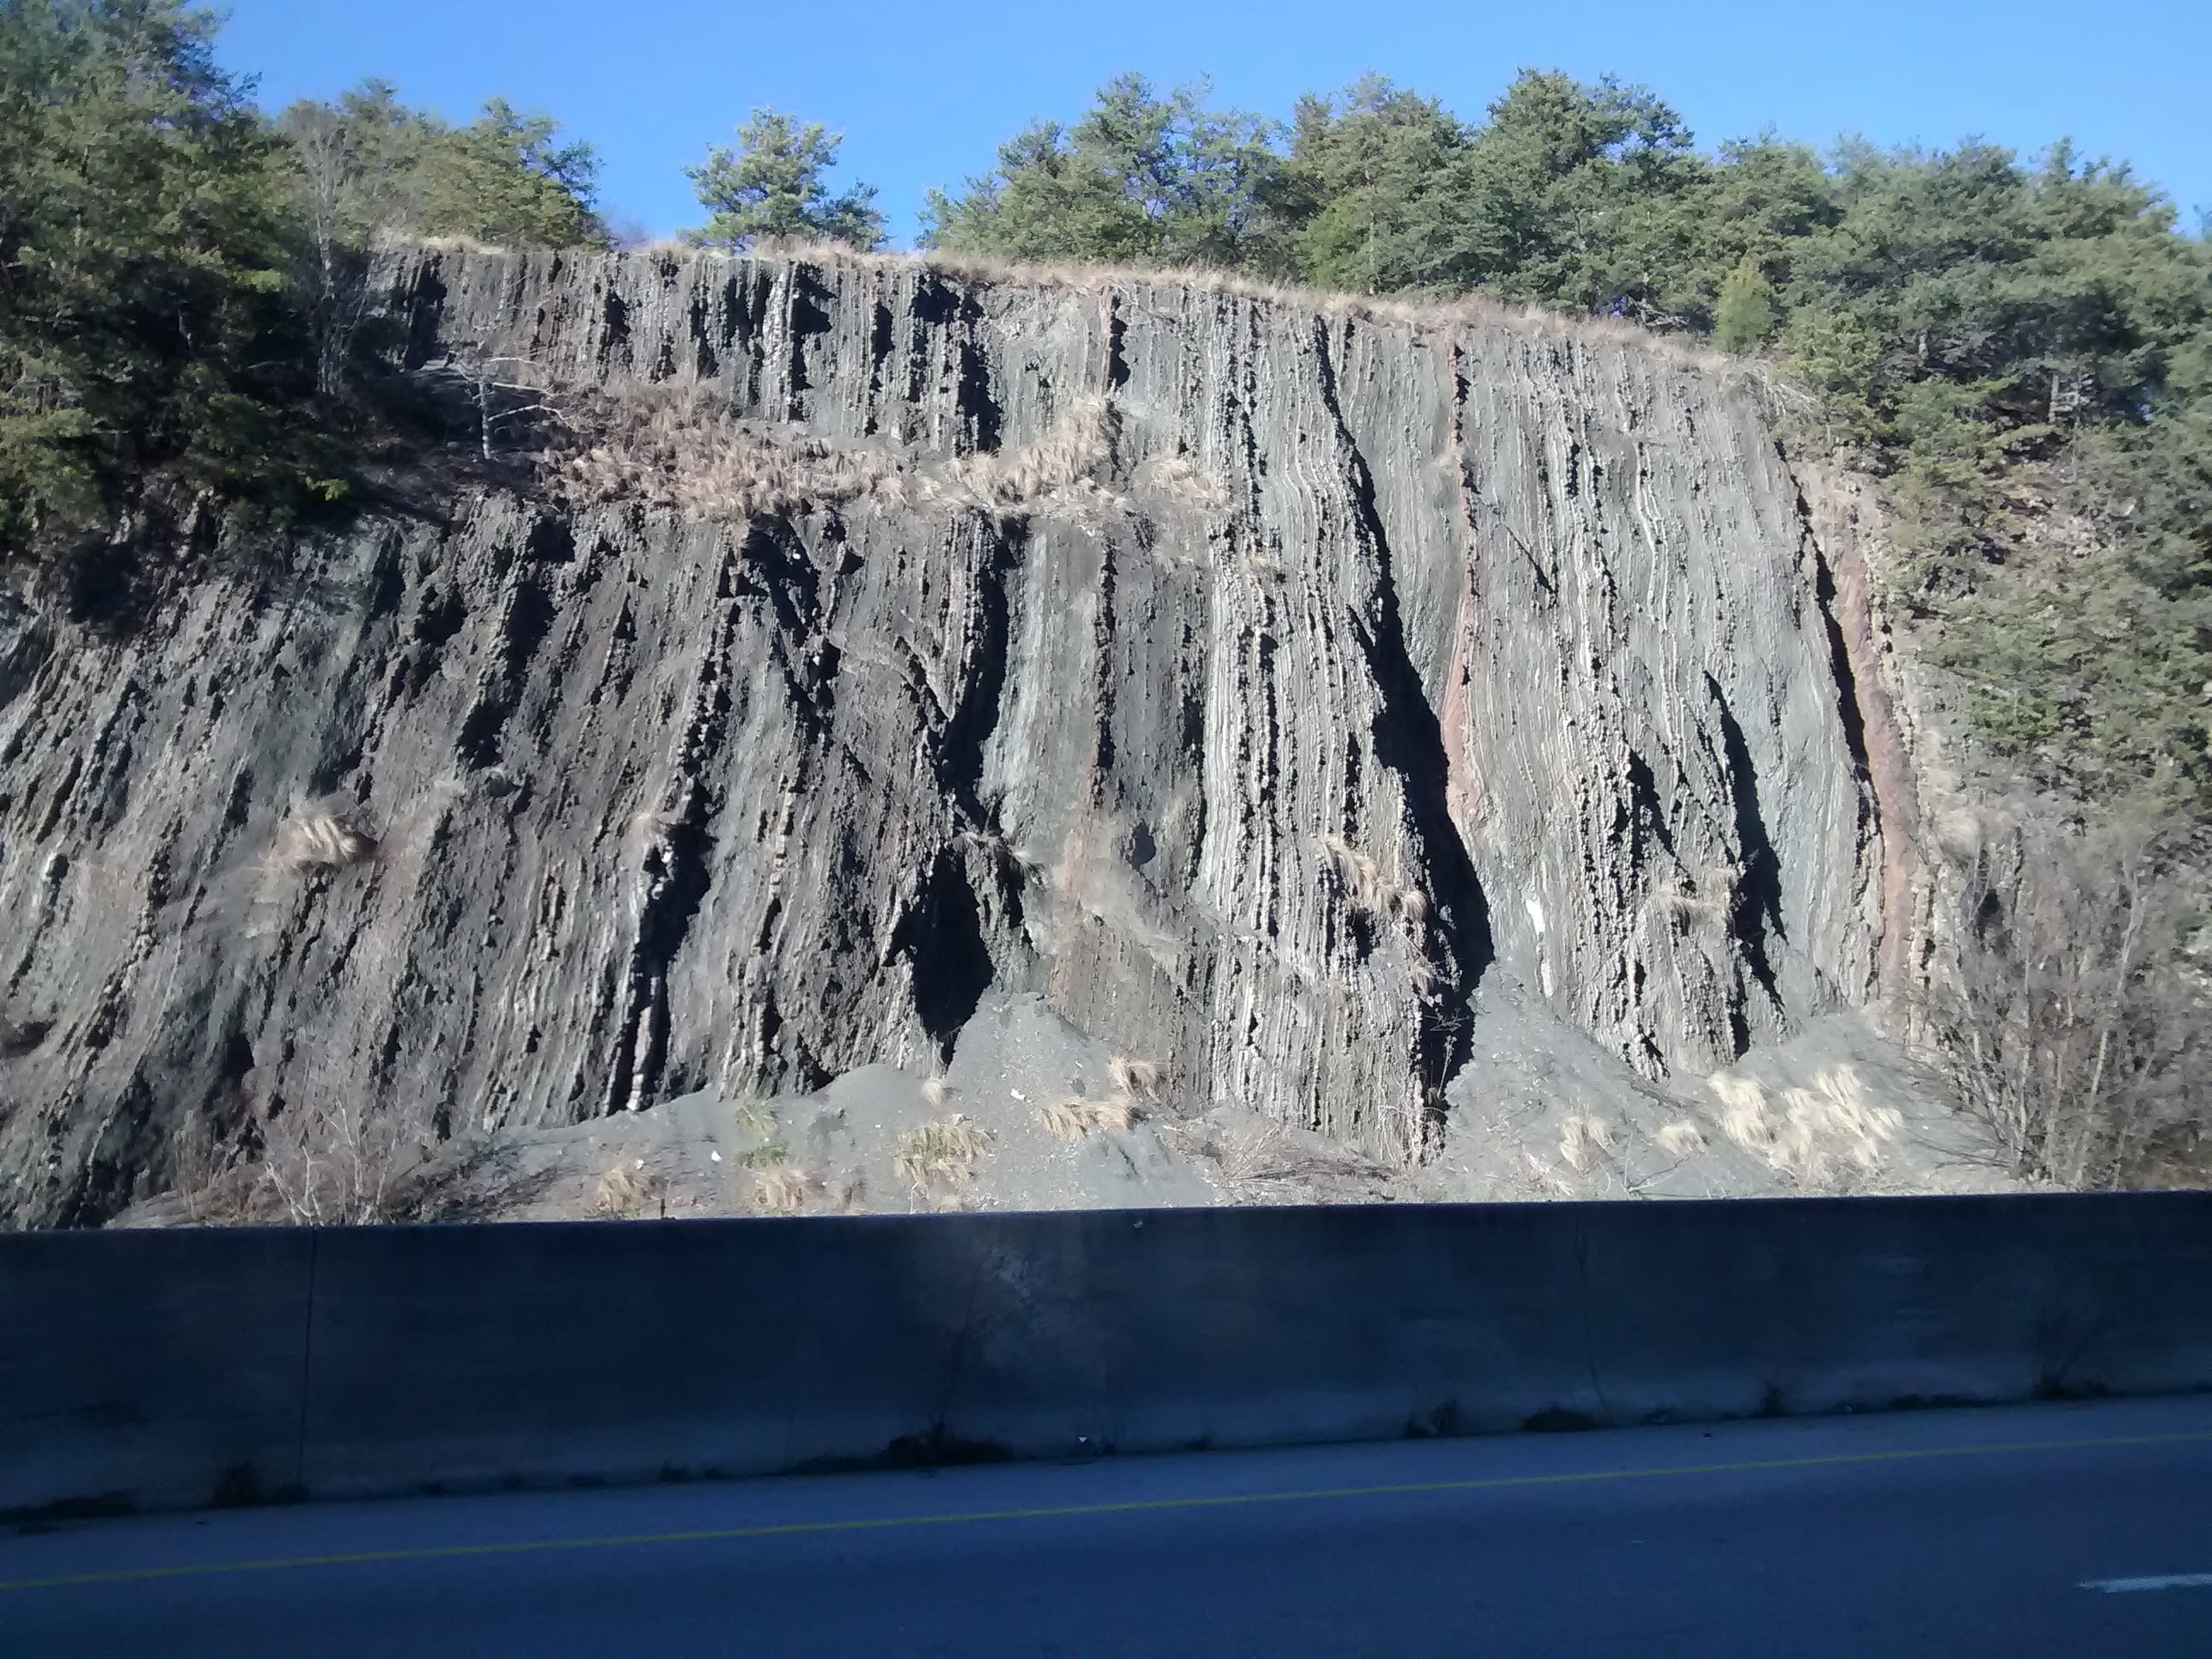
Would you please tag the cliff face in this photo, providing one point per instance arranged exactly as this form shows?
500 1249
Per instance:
1267 687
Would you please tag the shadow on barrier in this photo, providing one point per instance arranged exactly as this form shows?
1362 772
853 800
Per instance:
183 1368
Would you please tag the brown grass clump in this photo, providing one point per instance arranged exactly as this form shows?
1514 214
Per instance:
625 1192
1361 880
1063 1120
1583 1140
782 1189
1140 1078
1055 468
1073 1118
317 840
1120 1115
940 1156
681 452
1828 1134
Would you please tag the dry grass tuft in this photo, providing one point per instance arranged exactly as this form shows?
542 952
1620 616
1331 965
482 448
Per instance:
1055 469
317 840
1355 872
1682 1138
1704 899
1361 880
1063 1120
782 1189
1180 480
1825 1135
679 450
1583 1138
935 1090
1073 1118
1138 1079
625 1192
442 244
1118 1115
1743 1110
940 1156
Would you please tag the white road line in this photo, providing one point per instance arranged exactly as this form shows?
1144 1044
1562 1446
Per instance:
2171 1581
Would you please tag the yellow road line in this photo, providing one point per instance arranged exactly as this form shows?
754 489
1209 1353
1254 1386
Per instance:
1131 1506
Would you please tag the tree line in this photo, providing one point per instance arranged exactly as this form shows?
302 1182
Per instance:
2021 348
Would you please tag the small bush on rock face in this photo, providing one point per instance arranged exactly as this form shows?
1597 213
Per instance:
768 1155
336 1163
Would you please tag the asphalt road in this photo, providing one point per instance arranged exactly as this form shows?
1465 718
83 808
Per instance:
2043 1529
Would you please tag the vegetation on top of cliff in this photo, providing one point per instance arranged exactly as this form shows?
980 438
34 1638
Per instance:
144 323
183 283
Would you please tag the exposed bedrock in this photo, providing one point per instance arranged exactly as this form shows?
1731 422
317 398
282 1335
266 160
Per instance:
1347 668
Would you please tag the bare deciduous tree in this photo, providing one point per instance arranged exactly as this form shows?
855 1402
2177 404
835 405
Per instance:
335 1163
502 389
349 186
2075 1026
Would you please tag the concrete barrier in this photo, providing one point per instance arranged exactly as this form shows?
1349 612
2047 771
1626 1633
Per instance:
180 1368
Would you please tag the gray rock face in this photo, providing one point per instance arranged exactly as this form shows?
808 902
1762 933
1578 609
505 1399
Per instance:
1344 669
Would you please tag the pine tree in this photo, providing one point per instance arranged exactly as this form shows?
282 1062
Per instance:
145 319
1144 176
503 179
771 186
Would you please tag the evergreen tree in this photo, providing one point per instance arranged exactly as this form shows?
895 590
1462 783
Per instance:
503 179
1743 316
1572 194
145 323
1370 184
771 186
1143 176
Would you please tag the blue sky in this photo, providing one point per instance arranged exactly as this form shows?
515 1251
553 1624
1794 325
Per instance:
924 93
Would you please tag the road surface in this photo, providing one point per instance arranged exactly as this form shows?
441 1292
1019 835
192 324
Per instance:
2080 1528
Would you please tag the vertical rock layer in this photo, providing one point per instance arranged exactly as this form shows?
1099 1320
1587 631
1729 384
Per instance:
1349 664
